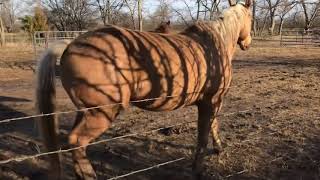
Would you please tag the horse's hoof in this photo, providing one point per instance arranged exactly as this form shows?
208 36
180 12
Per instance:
200 176
218 149
197 176
213 152
87 177
39 176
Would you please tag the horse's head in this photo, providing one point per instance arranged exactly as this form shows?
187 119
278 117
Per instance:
164 27
244 39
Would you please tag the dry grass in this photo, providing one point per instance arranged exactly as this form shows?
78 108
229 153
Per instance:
16 53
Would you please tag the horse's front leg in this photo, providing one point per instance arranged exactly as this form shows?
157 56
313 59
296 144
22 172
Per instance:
205 112
206 120
216 141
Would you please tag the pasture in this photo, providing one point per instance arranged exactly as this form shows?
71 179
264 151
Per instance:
270 129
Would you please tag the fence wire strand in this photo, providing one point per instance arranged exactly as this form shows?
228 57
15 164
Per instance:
147 169
83 109
95 107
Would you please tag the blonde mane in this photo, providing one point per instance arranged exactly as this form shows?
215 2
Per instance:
227 27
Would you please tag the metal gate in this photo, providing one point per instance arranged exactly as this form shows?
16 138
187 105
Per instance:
300 38
43 39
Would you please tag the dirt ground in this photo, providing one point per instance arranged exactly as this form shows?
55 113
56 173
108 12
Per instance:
277 138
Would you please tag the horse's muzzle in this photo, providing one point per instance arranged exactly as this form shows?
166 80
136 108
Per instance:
243 46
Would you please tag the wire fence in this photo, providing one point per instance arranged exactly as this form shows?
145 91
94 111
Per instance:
28 157
97 107
81 110
23 158
19 159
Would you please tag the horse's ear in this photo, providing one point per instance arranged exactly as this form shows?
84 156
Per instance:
231 2
168 23
249 3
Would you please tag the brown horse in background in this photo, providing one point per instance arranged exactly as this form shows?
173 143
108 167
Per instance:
115 65
164 27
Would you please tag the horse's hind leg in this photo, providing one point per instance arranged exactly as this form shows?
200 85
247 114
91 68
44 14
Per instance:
88 127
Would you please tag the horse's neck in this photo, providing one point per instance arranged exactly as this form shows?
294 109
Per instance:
224 31
229 27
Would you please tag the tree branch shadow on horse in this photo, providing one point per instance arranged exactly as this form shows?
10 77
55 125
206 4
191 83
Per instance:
114 65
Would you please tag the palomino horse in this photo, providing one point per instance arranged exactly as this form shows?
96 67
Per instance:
116 66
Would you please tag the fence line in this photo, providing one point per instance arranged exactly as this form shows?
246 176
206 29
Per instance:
95 107
83 109
23 158
27 157
300 37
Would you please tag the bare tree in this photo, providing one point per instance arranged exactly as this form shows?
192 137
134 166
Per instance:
254 20
140 18
211 6
163 12
311 11
69 14
189 10
131 5
198 9
2 36
108 9
181 16
261 14
9 12
272 6
285 7
188 13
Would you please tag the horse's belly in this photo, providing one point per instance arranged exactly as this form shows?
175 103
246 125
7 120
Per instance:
168 94
170 90
166 102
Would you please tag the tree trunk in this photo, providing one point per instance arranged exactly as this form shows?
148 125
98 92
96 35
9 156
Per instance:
198 9
281 25
140 14
307 26
108 13
306 16
2 36
264 24
272 25
254 22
